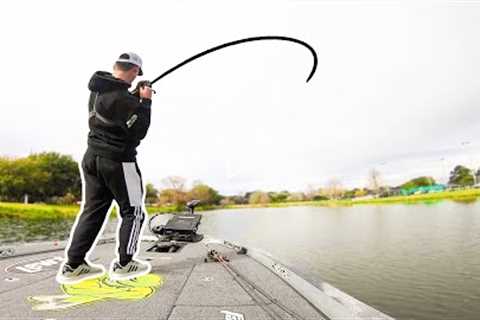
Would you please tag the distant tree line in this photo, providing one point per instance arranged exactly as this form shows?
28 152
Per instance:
175 193
54 178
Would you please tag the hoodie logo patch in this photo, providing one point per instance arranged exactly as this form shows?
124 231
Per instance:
132 120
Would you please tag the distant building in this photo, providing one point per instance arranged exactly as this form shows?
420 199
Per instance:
391 192
423 189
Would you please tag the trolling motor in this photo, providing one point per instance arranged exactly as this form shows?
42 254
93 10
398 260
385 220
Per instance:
180 227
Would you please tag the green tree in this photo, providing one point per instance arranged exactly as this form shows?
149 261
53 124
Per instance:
173 197
319 197
63 173
279 196
349 194
418 182
151 195
259 197
240 199
42 176
227 201
461 176
204 193
296 196
360 193
13 179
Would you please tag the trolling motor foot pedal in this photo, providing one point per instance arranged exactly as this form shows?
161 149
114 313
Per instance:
179 228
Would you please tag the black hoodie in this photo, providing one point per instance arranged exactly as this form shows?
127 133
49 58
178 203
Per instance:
118 120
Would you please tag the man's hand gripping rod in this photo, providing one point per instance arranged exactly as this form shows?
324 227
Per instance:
141 84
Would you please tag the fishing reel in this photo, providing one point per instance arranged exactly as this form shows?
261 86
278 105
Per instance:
141 84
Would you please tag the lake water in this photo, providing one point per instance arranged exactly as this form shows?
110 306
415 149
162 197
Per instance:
410 261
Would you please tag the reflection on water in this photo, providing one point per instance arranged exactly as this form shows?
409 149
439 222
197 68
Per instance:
428 202
466 200
417 261
19 230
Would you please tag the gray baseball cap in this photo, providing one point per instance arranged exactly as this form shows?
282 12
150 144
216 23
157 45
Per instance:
133 58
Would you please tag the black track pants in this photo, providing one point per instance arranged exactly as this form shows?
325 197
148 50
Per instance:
106 180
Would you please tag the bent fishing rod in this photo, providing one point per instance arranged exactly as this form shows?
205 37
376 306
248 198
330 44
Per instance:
228 44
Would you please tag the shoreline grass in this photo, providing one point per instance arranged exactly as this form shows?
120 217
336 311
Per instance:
51 211
47 211
459 195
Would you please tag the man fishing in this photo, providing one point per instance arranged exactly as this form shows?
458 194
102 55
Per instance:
118 121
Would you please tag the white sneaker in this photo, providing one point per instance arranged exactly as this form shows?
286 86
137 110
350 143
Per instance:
68 275
133 269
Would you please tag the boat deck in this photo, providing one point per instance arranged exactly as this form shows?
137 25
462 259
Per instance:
181 285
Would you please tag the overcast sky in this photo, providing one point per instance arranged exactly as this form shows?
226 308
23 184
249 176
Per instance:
397 87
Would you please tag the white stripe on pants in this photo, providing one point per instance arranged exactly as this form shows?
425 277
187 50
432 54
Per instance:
133 182
134 190
132 242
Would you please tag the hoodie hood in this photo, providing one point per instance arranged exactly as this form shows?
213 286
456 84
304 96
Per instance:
103 81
